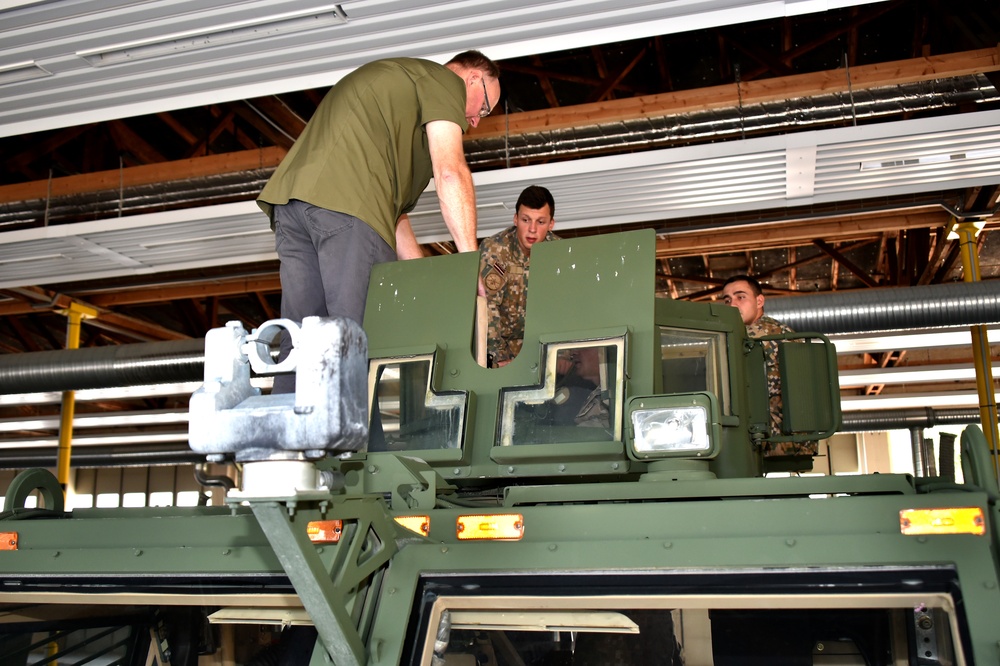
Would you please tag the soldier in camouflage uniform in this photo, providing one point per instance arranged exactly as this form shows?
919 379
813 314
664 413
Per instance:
744 293
503 268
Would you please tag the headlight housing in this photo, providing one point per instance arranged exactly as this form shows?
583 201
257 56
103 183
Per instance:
673 426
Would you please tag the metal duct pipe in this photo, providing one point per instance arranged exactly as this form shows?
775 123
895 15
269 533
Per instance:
207 190
99 367
878 420
921 466
105 456
954 304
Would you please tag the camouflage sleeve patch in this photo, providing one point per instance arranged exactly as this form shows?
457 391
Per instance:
494 277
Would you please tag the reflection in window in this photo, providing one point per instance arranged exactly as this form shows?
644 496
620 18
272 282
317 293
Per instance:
694 361
578 399
407 414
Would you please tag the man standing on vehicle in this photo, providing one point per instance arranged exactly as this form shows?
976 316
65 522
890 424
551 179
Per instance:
745 294
338 202
503 269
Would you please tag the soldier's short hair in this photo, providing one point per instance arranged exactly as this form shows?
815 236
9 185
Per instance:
534 197
476 60
754 284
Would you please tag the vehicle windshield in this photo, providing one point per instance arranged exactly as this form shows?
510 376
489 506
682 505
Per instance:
578 400
407 413
700 630
694 361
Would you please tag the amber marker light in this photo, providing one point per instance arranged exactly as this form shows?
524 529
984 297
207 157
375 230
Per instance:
491 526
324 531
419 524
8 540
966 520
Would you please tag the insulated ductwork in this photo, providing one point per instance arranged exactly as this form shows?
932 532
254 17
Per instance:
733 122
203 191
880 420
104 456
99 367
954 304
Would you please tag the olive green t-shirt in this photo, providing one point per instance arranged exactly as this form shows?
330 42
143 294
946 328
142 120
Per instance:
365 152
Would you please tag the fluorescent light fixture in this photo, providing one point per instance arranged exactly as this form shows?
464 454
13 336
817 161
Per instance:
228 33
907 375
908 400
101 420
40 257
436 211
89 395
861 343
187 241
110 440
22 71
930 159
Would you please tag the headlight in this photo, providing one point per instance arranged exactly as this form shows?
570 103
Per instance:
676 429
674 426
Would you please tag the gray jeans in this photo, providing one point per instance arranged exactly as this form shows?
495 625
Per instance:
326 262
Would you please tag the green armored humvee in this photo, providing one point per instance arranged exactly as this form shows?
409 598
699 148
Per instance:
600 500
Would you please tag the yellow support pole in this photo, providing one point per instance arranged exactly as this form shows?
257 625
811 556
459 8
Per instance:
75 314
966 232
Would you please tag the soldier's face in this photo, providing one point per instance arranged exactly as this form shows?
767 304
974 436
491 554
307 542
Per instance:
532 226
740 295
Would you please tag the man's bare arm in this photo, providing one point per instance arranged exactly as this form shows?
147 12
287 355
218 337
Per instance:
407 246
453 182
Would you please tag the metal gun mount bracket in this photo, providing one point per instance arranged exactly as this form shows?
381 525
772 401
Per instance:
328 412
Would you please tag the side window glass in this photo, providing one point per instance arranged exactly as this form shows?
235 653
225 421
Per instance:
578 400
693 361
407 413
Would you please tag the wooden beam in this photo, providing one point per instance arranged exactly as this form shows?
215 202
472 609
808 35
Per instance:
147 174
604 91
794 263
283 115
841 260
44 148
794 232
31 300
267 283
255 117
131 142
857 19
179 129
546 83
138 329
751 92
554 74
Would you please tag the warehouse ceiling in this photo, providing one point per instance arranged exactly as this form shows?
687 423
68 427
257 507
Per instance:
821 149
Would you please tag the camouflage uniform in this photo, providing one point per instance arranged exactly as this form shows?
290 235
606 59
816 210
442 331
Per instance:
503 267
770 326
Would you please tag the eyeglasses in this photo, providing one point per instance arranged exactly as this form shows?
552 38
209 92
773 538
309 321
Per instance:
485 111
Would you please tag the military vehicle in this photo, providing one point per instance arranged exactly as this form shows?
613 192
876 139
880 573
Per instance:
602 499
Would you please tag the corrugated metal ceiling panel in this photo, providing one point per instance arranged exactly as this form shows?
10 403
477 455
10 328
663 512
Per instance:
68 62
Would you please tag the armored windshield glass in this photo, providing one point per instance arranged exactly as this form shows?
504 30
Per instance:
579 398
693 361
407 413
